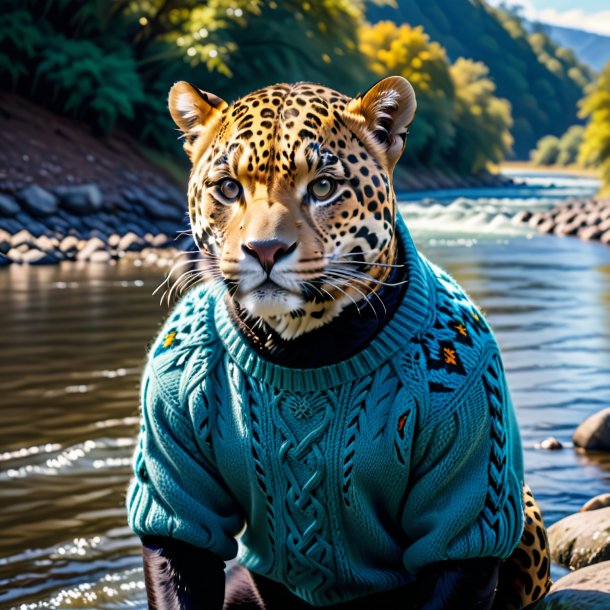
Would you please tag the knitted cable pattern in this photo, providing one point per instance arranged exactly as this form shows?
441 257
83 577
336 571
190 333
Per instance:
350 477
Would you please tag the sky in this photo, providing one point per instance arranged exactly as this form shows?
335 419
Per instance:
589 15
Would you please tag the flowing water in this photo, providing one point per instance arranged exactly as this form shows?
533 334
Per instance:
74 339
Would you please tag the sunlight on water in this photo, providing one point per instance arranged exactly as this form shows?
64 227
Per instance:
75 338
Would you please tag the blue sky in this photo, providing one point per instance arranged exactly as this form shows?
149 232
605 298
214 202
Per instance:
590 15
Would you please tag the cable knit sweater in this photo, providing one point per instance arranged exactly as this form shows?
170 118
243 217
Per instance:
348 478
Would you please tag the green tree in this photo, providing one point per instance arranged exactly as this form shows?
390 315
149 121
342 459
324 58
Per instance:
569 145
595 149
407 51
482 121
546 151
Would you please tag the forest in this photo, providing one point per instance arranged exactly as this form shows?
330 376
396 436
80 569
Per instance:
487 90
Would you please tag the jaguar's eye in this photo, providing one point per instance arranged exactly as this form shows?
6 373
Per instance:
322 188
230 189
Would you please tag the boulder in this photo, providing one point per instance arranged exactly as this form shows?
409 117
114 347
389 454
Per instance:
163 211
600 501
37 200
584 589
159 240
605 238
81 199
594 433
581 539
33 226
8 206
589 233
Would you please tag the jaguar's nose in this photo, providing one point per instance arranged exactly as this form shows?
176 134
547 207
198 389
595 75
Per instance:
268 252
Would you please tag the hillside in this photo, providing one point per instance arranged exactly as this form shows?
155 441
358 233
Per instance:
592 49
542 84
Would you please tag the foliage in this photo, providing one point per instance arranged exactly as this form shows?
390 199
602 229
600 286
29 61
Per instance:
483 121
595 149
459 121
407 51
546 151
542 82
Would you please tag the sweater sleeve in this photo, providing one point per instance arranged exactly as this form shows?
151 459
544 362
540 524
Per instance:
464 495
177 491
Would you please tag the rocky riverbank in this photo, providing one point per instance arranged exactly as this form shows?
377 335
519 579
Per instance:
588 219
581 542
68 195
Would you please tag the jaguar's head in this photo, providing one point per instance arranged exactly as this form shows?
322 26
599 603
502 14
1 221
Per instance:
290 195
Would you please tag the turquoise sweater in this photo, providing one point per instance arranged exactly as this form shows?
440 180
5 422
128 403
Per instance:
347 478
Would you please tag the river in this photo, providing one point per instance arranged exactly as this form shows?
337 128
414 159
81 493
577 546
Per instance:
74 341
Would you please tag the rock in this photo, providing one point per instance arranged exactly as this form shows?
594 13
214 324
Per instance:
605 238
9 225
594 433
584 589
130 242
566 228
8 206
5 241
163 211
581 539
81 199
100 256
37 200
551 444
14 255
46 244
600 501
589 233
22 237
159 240
35 257
33 226
522 216
547 226
89 247
68 245
113 240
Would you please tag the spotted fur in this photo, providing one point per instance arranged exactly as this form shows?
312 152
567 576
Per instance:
274 144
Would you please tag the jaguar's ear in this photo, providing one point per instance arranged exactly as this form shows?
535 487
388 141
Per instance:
195 112
382 115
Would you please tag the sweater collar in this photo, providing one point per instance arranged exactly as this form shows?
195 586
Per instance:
407 319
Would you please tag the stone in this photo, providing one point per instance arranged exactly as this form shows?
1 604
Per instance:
33 226
22 237
37 200
581 539
594 433
68 245
522 216
589 233
113 240
159 240
14 255
600 501
10 225
100 256
551 444
584 589
81 199
46 244
5 241
89 247
547 226
163 211
8 206
130 242
36 257
566 228
605 238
